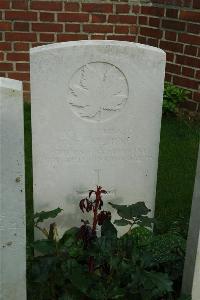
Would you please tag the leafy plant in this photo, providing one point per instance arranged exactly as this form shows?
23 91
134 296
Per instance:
172 97
81 265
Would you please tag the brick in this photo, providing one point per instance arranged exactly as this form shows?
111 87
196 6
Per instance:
21 15
133 29
98 37
5 26
17 56
71 37
98 18
21 46
72 6
190 50
97 7
169 56
22 66
154 11
122 8
189 39
21 26
196 4
19 36
93 28
190 16
154 22
2 74
5 46
136 9
122 19
37 44
151 32
44 16
1 56
26 86
121 29
6 66
19 4
170 35
47 27
168 77
196 96
73 17
188 61
46 5
193 28
173 68
152 42
19 76
172 13
170 46
176 25
185 82
197 74
72 27
188 72
142 39
4 4
190 105
143 20
180 3
46 37
128 38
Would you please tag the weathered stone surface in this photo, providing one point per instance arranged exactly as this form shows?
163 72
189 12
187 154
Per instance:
191 278
12 193
96 113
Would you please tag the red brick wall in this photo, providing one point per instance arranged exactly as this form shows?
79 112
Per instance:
173 25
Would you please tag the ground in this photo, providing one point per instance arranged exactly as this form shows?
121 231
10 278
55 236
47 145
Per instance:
176 172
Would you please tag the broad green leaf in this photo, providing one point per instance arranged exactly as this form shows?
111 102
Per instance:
45 247
159 282
43 215
131 211
71 233
122 222
108 229
145 221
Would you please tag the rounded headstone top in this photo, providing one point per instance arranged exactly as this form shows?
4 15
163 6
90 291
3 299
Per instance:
10 83
113 43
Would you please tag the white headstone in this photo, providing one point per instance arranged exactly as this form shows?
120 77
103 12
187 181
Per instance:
12 193
96 114
191 278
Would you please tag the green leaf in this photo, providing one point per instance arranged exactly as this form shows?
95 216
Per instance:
159 282
70 243
46 247
145 221
108 229
131 211
70 233
43 215
122 222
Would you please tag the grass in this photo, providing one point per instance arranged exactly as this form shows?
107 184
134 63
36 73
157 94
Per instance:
176 172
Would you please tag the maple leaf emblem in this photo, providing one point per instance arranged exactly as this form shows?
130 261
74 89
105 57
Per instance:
98 89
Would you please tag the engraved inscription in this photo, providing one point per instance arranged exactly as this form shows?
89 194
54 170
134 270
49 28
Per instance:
105 145
98 91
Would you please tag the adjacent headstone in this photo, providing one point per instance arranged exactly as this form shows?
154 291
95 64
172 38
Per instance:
12 194
96 114
191 278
